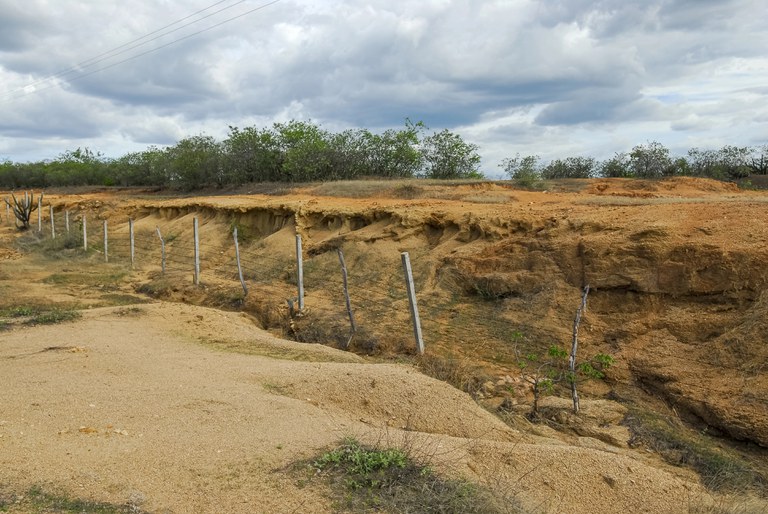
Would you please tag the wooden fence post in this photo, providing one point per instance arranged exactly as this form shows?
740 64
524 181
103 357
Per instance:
106 243
239 266
300 272
162 249
197 251
412 301
85 233
53 226
39 213
7 211
574 347
352 324
133 242
66 221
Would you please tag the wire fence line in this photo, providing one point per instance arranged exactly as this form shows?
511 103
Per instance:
451 321
172 255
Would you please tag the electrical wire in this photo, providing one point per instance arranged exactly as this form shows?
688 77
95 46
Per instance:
111 53
21 92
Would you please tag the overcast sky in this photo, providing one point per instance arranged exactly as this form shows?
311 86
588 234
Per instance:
555 78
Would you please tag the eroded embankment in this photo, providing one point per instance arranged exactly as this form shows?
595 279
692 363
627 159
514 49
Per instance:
677 284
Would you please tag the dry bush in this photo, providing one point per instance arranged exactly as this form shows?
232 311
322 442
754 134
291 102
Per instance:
461 374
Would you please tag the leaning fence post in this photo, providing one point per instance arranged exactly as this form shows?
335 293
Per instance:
53 226
40 213
239 266
352 323
66 221
85 233
133 250
106 243
197 251
412 301
300 271
162 250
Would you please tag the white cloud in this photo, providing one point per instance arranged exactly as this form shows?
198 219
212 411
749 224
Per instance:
548 77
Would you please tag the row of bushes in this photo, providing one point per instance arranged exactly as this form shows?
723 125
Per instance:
305 152
287 152
650 160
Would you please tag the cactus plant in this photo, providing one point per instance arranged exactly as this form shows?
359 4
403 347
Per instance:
23 208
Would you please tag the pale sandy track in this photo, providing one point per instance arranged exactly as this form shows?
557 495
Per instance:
130 407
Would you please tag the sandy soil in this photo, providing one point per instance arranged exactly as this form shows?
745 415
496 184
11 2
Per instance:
126 405
133 404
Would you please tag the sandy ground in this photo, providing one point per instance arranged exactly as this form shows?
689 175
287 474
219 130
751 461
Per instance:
131 404
126 405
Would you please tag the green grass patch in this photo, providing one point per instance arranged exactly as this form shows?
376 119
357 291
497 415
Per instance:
36 315
38 500
53 316
366 479
111 278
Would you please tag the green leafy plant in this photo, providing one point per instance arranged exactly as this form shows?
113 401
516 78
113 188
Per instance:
544 371
365 479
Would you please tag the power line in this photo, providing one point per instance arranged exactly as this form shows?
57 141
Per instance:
95 60
103 56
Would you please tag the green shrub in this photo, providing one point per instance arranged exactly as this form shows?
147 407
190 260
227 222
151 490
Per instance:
365 479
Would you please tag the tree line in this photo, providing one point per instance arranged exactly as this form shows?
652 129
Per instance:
649 160
295 151
299 151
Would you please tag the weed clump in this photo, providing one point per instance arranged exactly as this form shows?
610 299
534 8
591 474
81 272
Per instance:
36 315
721 469
364 478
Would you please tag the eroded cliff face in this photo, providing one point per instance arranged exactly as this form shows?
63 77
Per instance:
678 295
686 320
677 269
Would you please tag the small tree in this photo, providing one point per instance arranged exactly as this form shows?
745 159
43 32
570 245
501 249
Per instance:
570 167
525 171
545 371
650 160
447 156
23 208
542 372
616 167
758 162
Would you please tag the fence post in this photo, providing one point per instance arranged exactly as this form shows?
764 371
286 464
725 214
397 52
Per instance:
352 323
66 221
239 266
85 233
300 271
162 250
53 226
133 247
412 301
39 213
197 251
7 212
574 347
106 243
